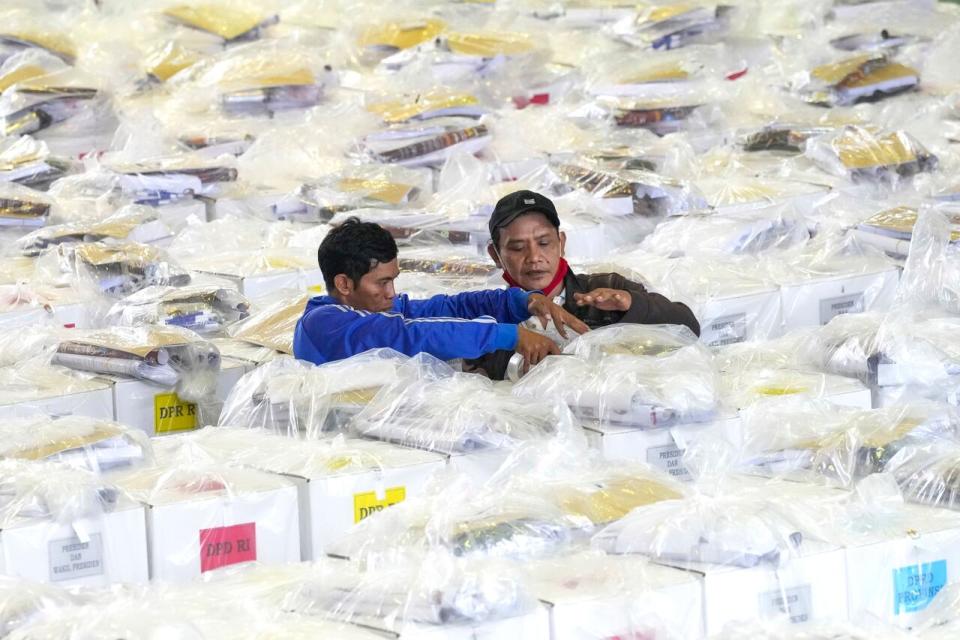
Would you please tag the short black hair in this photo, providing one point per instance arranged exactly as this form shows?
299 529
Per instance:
354 248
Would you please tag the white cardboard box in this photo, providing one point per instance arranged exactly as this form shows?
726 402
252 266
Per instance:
534 625
661 448
617 597
195 524
894 577
265 284
809 588
158 410
338 486
742 318
89 554
54 391
814 303
664 448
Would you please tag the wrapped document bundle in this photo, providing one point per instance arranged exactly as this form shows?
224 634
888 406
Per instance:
860 78
28 162
643 376
706 530
321 201
298 399
24 603
658 115
136 224
21 207
35 490
432 407
892 230
667 27
446 262
230 23
813 440
170 179
443 597
457 55
118 270
929 473
386 39
272 326
436 103
931 275
76 441
631 191
860 154
427 143
41 103
752 231
17 38
167 356
205 310
891 351
782 137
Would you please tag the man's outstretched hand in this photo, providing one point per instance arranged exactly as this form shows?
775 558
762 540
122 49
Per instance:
547 311
605 299
534 347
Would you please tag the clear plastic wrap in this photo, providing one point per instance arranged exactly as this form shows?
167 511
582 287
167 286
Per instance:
163 180
134 224
295 398
49 510
746 232
204 310
230 23
119 269
643 376
23 603
927 473
432 407
28 162
931 275
425 144
815 439
699 530
168 356
76 441
863 155
31 386
204 516
864 77
664 27
22 207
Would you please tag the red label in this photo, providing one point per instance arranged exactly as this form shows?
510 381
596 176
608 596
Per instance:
223 546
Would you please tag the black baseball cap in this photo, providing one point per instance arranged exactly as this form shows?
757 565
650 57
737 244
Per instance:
512 206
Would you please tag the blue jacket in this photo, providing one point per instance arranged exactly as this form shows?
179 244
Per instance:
466 325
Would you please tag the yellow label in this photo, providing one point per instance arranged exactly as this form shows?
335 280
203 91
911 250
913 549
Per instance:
366 504
171 414
316 288
19 75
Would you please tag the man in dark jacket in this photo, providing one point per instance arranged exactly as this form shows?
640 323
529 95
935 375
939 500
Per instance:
526 242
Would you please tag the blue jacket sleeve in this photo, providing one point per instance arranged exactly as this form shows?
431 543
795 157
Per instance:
335 333
504 305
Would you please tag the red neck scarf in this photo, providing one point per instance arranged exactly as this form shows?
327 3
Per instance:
562 270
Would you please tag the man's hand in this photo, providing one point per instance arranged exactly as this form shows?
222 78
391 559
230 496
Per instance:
605 299
548 312
534 347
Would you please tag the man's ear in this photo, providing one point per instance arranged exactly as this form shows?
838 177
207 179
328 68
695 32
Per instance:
563 244
494 256
343 284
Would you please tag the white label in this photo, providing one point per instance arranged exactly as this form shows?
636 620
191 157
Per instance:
727 330
670 459
841 306
795 602
71 559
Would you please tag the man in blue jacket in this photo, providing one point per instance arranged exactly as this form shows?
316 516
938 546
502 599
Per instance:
363 312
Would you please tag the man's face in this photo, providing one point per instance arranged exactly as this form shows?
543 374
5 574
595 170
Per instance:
375 290
530 250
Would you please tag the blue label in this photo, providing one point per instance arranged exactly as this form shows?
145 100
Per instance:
915 586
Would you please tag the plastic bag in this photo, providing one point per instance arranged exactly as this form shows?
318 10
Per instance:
863 155
294 398
644 376
168 356
204 310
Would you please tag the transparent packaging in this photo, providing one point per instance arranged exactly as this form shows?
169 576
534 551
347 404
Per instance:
204 310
